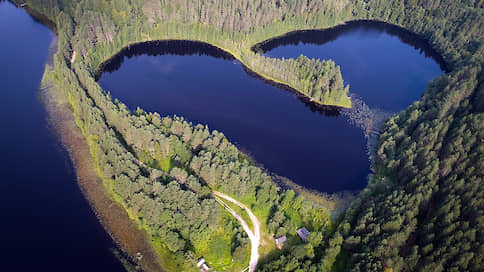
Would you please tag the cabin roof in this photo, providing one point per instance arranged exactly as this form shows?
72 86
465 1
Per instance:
303 233
280 240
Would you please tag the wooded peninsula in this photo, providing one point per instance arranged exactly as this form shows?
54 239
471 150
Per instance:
423 209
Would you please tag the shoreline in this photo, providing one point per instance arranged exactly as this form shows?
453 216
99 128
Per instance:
126 234
444 107
269 44
268 79
130 241
124 231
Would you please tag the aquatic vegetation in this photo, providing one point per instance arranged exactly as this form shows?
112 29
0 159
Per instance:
423 208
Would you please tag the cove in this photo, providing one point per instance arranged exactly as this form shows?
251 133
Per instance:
315 147
47 224
387 66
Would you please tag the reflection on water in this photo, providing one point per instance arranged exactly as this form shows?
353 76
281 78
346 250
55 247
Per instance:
190 48
317 147
47 224
376 60
158 48
320 37
386 66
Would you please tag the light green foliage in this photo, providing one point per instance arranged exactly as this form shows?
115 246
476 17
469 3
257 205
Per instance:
429 217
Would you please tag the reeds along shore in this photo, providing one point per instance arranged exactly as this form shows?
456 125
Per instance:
389 226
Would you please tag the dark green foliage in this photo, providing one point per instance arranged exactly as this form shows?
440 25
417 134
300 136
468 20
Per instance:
430 219
427 214
103 28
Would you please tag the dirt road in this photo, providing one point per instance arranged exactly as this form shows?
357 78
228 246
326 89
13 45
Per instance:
254 235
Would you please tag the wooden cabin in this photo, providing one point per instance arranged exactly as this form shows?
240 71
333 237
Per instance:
303 233
280 241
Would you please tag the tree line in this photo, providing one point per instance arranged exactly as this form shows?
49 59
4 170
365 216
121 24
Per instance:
423 209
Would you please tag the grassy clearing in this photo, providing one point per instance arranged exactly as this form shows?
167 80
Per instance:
218 251
333 204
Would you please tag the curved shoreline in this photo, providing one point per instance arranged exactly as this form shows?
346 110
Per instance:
115 220
402 33
93 188
126 235
225 53
200 47
38 17
278 83
129 238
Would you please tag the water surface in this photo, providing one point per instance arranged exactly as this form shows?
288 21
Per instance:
386 66
46 225
318 149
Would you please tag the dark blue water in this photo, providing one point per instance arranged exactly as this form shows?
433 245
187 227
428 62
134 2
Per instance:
46 224
387 67
321 151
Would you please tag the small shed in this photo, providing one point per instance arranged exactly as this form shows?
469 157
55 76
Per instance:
280 241
303 233
202 265
200 262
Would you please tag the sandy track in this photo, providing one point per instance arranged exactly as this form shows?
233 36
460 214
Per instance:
254 235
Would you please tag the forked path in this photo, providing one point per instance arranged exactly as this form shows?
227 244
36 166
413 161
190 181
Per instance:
254 235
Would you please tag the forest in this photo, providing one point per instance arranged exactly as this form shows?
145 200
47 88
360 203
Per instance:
423 207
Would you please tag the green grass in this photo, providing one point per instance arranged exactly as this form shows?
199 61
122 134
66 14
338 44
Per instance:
165 164
242 212
218 251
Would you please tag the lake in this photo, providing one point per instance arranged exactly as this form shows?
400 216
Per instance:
47 225
320 149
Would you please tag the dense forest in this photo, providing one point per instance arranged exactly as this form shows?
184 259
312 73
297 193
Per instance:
423 208
99 35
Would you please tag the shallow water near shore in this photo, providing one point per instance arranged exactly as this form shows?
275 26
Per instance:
47 224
